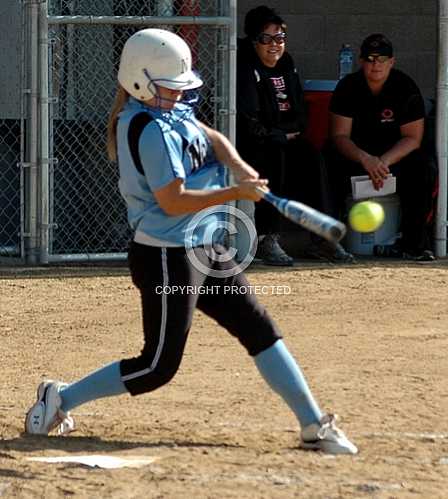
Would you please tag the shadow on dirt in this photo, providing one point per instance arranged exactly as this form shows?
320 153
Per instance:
31 443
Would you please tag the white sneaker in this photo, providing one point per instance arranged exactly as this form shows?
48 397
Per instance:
46 413
326 437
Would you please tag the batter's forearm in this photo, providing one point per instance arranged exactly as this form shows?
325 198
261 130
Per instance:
224 150
191 201
227 154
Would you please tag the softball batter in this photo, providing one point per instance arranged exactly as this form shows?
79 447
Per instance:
172 166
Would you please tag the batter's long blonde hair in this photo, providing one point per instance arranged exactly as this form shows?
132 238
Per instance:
121 97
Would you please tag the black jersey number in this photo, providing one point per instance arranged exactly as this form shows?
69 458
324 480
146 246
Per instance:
197 152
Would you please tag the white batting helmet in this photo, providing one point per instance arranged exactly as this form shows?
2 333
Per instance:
155 57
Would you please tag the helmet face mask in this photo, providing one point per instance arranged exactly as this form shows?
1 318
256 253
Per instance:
155 57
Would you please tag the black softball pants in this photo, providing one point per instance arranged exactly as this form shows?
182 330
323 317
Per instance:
171 289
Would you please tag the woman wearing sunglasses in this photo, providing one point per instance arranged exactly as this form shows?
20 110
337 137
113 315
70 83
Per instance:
377 126
271 120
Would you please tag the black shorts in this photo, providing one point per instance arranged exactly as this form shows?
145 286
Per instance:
171 289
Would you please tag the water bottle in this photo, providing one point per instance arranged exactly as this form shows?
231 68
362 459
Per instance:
345 60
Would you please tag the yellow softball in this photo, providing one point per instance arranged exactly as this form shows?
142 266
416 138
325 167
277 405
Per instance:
366 216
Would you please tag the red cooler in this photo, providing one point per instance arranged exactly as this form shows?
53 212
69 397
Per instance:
317 98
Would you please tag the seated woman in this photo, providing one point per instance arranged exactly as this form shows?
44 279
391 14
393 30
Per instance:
377 127
271 119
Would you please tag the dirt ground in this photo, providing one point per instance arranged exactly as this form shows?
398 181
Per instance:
371 337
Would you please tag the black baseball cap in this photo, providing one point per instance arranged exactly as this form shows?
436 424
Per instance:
376 44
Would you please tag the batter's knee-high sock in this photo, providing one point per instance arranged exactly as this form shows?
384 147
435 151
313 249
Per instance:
105 382
280 370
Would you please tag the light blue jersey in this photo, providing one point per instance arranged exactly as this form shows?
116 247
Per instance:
155 148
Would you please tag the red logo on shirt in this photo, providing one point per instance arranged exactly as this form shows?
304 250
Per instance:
387 116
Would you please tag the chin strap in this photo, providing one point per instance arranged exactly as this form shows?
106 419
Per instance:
189 97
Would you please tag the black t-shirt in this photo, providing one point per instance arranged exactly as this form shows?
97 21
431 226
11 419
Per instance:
286 117
377 118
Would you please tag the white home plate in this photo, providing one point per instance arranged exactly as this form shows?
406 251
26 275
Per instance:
99 461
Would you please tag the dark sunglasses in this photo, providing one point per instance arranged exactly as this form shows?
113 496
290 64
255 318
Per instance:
378 58
267 39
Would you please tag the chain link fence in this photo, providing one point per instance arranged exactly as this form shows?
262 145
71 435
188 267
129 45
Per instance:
88 214
165 8
10 188
72 208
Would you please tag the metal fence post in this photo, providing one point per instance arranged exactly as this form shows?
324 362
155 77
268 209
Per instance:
232 70
442 131
44 160
23 118
30 173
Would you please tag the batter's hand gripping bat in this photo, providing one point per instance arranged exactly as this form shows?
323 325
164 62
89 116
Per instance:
323 225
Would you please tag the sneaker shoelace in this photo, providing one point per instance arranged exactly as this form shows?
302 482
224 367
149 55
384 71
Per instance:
65 424
329 427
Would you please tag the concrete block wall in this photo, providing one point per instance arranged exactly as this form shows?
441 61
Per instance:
10 39
318 28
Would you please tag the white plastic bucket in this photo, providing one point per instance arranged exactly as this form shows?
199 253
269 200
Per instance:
363 243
